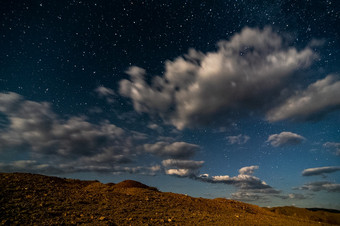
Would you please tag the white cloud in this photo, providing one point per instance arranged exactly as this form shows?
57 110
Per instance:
239 139
320 170
179 172
248 170
319 97
285 138
247 72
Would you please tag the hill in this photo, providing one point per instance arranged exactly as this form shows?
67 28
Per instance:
37 199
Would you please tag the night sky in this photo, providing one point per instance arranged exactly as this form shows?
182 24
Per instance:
235 99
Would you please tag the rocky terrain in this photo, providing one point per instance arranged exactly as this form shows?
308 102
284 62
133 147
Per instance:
36 199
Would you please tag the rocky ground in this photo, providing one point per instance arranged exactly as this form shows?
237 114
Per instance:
36 199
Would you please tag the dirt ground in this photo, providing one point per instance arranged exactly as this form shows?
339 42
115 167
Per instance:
36 199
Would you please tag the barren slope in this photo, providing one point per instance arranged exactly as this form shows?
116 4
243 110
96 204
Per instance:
37 199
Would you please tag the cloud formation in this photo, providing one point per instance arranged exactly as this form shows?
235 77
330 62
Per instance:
284 139
73 144
107 93
334 146
245 196
320 186
320 170
183 168
296 196
34 166
248 170
319 97
177 150
246 73
239 139
244 181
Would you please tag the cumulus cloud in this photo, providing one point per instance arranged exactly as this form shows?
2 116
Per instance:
320 170
318 98
320 186
285 138
333 146
178 150
246 73
239 139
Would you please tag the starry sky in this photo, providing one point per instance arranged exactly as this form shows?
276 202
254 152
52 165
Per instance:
236 99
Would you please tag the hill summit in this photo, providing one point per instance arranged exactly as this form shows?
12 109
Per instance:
38 199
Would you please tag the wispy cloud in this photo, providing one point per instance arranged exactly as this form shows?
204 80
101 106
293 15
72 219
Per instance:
239 139
333 146
320 170
320 186
107 93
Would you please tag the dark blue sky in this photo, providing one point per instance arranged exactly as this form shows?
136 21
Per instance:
236 99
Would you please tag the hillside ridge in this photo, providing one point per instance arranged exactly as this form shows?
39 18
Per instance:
37 199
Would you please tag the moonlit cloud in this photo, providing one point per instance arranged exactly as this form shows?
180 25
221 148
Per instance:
320 170
319 97
285 138
239 139
246 73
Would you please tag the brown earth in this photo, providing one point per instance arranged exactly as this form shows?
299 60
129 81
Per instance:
36 199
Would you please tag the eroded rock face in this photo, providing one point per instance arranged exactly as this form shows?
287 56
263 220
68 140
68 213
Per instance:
37 199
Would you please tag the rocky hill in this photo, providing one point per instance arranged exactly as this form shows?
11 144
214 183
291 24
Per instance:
36 199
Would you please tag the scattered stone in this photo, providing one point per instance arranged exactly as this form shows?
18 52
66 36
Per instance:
29 199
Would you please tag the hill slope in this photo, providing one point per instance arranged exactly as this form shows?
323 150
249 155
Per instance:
37 199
